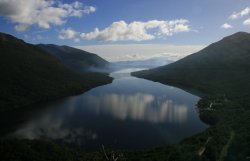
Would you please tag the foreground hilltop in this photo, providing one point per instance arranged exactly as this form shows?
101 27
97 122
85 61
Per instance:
29 74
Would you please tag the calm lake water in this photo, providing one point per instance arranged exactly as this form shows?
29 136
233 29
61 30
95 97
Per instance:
129 113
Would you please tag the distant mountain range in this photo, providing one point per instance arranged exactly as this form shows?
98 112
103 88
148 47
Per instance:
75 59
221 67
146 63
29 74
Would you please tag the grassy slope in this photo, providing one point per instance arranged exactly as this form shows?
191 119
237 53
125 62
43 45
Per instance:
30 75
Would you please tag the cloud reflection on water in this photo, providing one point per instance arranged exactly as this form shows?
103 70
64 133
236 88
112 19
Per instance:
139 106
128 113
53 128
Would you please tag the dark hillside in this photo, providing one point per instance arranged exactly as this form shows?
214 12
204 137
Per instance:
222 67
29 74
75 59
221 72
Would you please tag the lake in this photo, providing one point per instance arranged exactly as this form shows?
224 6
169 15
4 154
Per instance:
129 113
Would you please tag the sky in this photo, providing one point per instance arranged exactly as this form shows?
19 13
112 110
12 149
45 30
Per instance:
123 22
134 52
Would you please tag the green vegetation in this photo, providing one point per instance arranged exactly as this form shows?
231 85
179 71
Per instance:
30 75
221 72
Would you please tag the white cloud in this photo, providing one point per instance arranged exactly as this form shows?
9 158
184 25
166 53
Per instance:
240 14
43 13
137 30
89 9
246 22
77 40
226 26
67 34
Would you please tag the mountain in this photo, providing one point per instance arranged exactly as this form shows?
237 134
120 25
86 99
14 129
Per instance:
220 74
76 59
147 63
29 75
222 67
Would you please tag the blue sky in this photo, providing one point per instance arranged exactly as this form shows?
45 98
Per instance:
190 22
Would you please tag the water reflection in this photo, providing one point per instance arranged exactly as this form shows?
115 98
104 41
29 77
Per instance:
139 106
49 127
129 113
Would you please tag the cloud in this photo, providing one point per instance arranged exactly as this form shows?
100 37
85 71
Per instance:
246 22
240 14
226 26
137 30
67 34
42 13
77 40
89 9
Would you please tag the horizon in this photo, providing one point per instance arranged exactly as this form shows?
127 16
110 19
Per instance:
135 52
